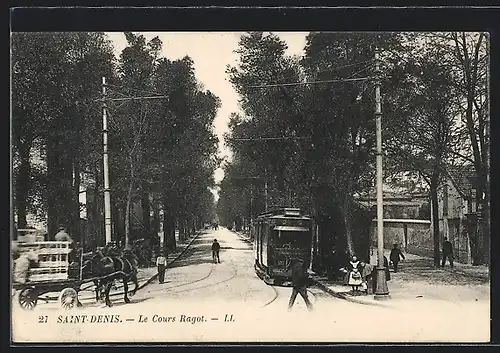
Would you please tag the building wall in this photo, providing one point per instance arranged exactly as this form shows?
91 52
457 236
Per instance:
418 237
452 209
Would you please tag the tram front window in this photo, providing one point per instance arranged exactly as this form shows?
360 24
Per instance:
292 239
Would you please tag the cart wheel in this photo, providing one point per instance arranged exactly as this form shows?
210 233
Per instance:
28 298
68 298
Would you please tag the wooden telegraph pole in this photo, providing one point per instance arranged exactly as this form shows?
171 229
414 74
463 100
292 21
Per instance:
107 197
381 290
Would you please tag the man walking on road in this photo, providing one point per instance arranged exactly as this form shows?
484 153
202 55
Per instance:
447 253
299 283
215 251
395 256
161 263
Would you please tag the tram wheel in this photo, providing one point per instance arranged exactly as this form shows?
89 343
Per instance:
68 298
28 298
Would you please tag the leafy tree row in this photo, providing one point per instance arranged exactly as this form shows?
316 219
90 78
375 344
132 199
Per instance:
430 82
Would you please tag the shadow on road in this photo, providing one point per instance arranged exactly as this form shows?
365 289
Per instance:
132 301
231 248
423 269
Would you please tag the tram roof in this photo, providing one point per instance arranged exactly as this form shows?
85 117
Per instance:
284 212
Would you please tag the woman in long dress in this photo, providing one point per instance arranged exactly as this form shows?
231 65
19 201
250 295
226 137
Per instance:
355 278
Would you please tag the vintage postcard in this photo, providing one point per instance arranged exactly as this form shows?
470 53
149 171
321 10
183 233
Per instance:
250 187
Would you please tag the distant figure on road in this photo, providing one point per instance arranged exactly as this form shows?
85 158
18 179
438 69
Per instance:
62 235
215 251
447 253
161 263
300 280
395 256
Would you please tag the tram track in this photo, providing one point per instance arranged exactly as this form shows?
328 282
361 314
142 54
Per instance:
276 293
207 276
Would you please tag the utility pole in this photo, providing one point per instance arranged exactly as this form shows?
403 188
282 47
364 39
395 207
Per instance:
486 208
381 290
107 198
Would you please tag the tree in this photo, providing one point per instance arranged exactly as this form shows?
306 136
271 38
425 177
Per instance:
266 114
329 156
421 139
133 122
52 92
470 58
341 118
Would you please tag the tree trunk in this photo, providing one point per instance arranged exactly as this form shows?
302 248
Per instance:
23 184
435 217
52 189
76 224
129 202
155 224
347 213
168 225
146 211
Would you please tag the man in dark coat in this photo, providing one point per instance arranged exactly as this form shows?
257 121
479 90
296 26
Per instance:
300 281
447 252
215 251
395 256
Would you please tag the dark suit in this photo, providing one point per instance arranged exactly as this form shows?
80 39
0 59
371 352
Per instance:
299 283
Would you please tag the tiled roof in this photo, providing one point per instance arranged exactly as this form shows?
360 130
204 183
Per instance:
463 178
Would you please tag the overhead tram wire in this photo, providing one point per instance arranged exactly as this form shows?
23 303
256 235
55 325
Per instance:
314 82
331 69
271 138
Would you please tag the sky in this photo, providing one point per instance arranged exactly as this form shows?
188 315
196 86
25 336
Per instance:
211 53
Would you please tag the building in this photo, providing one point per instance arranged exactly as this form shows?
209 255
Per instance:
456 207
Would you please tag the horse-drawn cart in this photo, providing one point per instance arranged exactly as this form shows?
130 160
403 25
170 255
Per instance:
50 272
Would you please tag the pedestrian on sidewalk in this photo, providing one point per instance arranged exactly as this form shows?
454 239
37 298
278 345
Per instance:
447 252
215 251
161 264
300 280
366 275
395 256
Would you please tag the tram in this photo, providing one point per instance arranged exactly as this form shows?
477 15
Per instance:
281 235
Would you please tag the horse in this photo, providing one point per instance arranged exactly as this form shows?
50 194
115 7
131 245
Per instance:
109 268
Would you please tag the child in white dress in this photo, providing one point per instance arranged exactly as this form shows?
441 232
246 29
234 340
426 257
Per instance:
355 278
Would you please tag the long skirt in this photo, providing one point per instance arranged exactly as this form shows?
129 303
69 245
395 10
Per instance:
355 278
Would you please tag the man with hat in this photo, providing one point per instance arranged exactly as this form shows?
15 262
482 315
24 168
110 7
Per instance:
62 235
299 282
